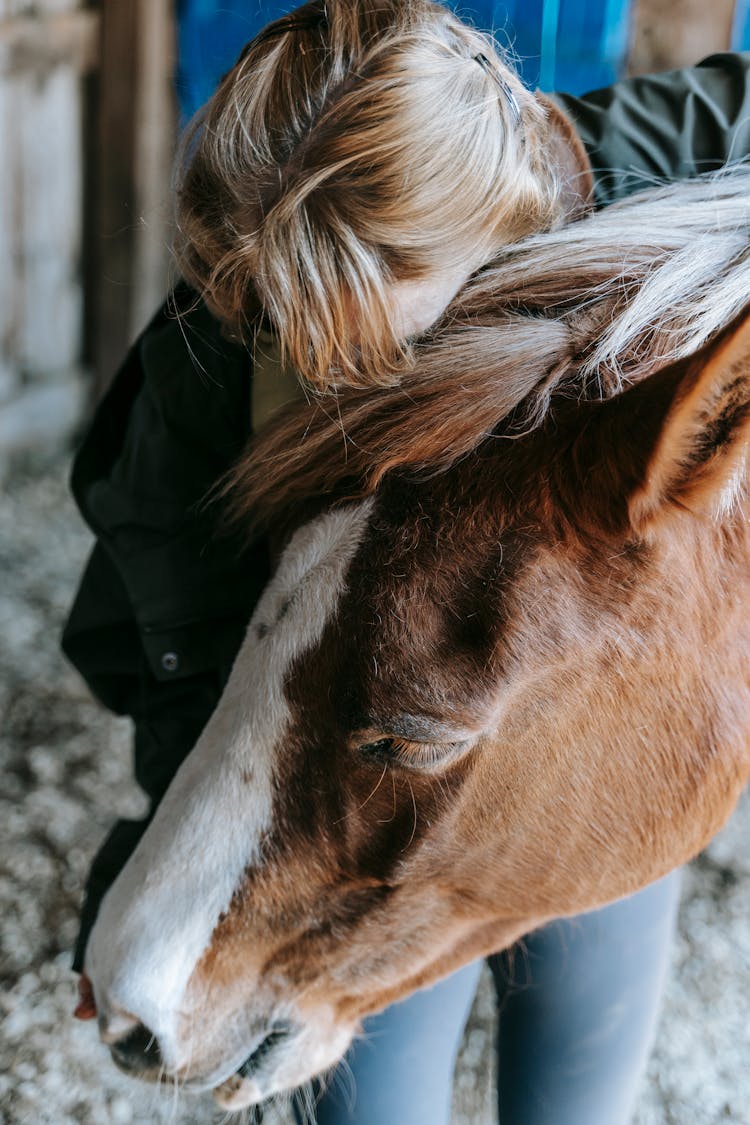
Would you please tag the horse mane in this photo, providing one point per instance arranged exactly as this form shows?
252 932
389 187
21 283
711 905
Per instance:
581 311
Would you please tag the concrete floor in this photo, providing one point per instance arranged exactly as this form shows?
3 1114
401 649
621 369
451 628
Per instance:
65 776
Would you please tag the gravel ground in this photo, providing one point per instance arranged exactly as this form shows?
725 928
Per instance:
65 776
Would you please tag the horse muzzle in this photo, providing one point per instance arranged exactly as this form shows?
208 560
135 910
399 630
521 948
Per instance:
139 1055
277 1054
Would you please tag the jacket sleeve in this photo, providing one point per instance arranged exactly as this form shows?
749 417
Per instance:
165 597
661 127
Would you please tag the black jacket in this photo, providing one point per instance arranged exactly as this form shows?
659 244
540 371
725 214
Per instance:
165 597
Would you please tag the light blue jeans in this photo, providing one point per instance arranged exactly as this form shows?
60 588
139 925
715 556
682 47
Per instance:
578 1003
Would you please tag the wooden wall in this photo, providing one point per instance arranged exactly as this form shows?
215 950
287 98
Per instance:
134 126
87 129
45 50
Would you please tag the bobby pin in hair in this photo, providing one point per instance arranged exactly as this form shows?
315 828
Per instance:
281 27
503 86
313 23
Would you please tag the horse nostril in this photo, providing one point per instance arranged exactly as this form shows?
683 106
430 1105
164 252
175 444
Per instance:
137 1052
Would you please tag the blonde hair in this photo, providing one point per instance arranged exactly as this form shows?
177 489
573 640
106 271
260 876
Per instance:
356 143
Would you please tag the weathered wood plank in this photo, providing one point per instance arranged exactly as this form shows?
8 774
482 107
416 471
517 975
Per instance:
672 33
41 210
134 104
113 193
49 232
36 7
156 126
9 264
39 43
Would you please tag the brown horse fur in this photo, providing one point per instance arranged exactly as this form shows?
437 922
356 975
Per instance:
530 698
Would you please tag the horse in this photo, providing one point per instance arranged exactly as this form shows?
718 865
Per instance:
499 675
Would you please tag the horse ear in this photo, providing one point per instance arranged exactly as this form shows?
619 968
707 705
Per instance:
697 457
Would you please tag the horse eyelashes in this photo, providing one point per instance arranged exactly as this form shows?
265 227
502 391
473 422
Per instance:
411 755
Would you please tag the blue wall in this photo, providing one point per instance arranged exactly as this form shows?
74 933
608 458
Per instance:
571 45
741 30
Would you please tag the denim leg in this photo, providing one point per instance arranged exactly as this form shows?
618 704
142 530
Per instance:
578 1007
402 1067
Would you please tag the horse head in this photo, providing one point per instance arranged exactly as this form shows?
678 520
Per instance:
466 704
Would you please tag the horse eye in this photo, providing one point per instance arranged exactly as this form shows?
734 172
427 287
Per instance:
411 755
380 748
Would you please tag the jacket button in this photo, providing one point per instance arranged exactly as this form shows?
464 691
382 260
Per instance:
170 661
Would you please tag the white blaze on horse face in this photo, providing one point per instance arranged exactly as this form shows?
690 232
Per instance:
157 919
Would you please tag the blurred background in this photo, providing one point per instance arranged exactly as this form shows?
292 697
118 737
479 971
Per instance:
92 98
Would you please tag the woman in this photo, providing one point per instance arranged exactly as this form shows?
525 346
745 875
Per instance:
360 161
